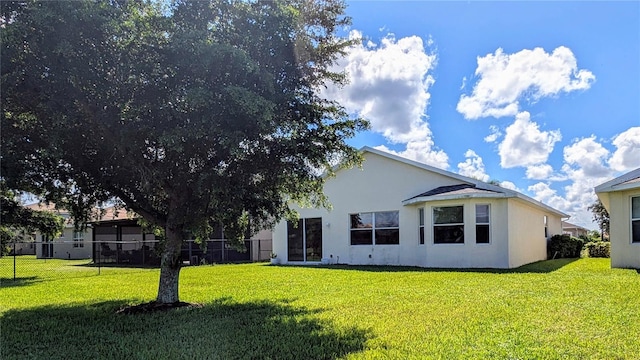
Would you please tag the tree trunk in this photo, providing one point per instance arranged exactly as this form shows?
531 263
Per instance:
170 268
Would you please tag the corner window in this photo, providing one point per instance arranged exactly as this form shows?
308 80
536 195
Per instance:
379 228
448 225
546 228
482 224
421 226
635 219
78 239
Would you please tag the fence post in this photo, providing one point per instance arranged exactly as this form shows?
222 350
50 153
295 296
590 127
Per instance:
99 257
14 259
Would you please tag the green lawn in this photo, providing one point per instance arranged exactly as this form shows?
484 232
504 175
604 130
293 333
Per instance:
561 309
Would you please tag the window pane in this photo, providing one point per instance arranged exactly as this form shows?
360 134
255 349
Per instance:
421 235
387 219
453 234
361 237
635 207
388 237
313 228
482 234
421 216
362 221
482 214
294 241
447 215
635 225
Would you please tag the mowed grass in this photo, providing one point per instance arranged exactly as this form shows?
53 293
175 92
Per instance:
560 309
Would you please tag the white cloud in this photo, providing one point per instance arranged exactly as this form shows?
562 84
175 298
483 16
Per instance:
524 144
421 151
509 185
464 83
545 194
505 79
473 166
586 159
539 172
584 166
389 86
495 134
627 155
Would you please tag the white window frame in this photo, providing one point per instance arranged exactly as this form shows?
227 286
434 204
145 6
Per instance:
78 239
633 219
488 223
421 230
434 224
373 228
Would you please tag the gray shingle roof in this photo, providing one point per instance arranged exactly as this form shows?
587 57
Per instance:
461 189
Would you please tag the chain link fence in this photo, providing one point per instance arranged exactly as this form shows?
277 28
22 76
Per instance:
41 260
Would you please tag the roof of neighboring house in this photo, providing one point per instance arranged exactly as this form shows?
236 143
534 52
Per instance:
630 180
568 225
100 214
469 187
40 206
113 214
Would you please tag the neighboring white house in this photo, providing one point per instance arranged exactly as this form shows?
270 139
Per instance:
395 211
71 244
573 229
621 198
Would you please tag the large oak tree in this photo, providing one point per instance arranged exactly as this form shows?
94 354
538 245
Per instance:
192 113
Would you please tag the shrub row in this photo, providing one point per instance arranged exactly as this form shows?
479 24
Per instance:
601 249
565 246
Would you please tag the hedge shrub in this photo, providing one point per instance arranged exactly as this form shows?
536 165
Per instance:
564 246
601 249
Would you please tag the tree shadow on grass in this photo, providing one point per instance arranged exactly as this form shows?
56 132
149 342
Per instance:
224 329
545 266
7 282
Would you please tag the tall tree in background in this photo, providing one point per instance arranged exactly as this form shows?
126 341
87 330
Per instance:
601 217
192 113
16 220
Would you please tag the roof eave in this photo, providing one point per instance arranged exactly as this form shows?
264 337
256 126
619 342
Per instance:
423 199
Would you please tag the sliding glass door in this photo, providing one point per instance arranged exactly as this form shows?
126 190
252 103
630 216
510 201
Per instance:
305 240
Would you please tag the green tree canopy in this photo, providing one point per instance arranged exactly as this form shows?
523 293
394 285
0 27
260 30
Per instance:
16 219
192 113
600 216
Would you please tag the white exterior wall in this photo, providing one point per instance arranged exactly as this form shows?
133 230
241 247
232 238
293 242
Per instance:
469 255
624 253
526 232
63 246
381 185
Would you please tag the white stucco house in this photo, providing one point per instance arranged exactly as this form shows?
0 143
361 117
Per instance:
621 198
70 244
395 211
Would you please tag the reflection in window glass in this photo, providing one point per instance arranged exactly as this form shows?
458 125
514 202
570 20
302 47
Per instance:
482 214
482 224
313 239
421 222
448 225
635 219
380 228
447 215
295 247
362 220
387 219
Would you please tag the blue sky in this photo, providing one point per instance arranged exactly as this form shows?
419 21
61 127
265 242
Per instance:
541 96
